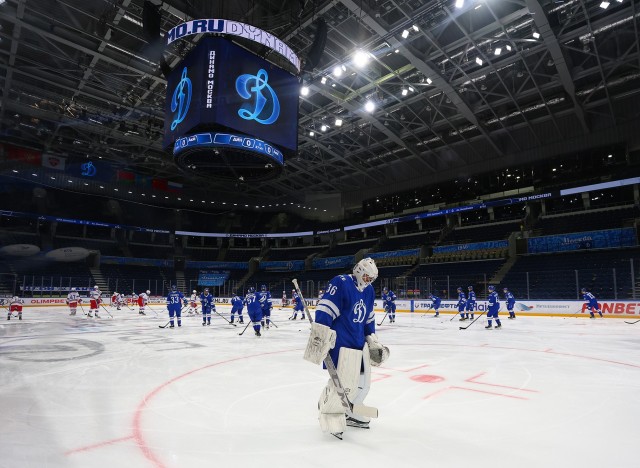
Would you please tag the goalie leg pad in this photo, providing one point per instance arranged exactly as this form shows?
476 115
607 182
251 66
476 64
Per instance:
332 413
364 383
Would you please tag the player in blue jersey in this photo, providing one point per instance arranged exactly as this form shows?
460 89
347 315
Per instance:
471 302
237 304
462 300
435 303
389 300
298 305
254 309
494 307
206 300
591 302
345 329
511 301
265 302
175 300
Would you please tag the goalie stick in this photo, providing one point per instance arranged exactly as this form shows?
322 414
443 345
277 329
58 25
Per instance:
464 328
363 410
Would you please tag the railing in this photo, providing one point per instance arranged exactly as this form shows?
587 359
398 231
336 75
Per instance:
605 283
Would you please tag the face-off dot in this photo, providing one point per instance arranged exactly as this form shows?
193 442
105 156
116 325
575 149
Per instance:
426 378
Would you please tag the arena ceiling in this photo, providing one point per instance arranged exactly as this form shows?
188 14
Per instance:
456 84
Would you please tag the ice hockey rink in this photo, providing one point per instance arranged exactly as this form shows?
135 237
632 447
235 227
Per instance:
79 392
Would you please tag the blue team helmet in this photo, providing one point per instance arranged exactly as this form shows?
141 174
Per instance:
263 287
505 290
430 296
459 289
491 288
251 289
584 290
385 289
470 288
206 290
174 287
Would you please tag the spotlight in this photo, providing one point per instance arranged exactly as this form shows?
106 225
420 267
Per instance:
479 61
338 123
323 128
498 51
361 58
405 91
369 106
337 71
312 134
459 3
405 34
304 91
415 28
536 35
605 5
429 81
323 80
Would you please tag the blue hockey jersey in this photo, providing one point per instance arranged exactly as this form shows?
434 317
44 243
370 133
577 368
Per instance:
436 301
511 300
175 299
347 311
494 302
206 301
590 299
265 299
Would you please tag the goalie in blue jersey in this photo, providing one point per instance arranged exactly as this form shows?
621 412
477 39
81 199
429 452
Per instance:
345 328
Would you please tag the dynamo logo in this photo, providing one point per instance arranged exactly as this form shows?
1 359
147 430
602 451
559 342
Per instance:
181 99
266 110
88 169
360 311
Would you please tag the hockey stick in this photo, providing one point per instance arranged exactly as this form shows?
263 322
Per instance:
385 316
427 311
367 411
105 309
271 322
153 310
249 322
631 323
474 321
82 308
10 313
165 325
454 316
216 312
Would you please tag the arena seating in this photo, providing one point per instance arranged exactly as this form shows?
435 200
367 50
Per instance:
202 253
610 218
349 248
241 255
482 232
455 274
294 253
553 276
402 242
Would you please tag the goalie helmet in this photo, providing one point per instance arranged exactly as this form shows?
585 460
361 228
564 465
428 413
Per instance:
491 288
365 273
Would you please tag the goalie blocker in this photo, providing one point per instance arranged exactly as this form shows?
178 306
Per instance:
345 329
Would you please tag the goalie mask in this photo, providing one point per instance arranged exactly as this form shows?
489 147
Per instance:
365 273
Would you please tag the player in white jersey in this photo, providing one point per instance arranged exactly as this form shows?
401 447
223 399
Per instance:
95 298
73 299
15 306
143 300
193 303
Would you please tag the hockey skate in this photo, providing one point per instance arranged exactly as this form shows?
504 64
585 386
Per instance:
171 326
498 326
97 316
489 327
9 317
90 315
337 435
461 319
258 333
355 423
19 316
141 313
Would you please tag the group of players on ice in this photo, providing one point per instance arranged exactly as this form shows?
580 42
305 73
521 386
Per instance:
342 336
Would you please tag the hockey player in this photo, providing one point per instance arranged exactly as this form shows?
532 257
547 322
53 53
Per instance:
174 304
193 304
284 298
206 300
254 309
266 304
95 298
237 304
298 305
15 306
345 329
591 302
143 300
435 303
494 307
511 301
73 299
114 299
461 304
389 299
471 302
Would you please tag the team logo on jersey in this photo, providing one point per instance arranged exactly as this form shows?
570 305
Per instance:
88 169
266 110
359 311
181 99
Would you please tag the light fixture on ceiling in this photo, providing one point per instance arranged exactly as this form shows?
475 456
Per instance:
405 34
498 51
323 128
361 58
459 3
338 123
536 35
479 61
405 91
323 80
605 5
337 71
304 91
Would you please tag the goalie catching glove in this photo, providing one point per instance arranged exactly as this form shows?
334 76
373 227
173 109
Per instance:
321 340
377 352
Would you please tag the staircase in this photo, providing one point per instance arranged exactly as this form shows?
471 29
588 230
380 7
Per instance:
503 270
98 278
181 282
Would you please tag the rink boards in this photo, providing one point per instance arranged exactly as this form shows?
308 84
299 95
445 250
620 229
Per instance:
614 309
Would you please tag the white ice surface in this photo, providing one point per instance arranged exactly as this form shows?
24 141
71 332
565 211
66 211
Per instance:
541 392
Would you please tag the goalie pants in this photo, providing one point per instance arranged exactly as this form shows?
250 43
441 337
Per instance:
355 376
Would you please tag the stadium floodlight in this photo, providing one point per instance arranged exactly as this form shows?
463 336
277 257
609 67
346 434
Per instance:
479 61
369 106
498 51
323 128
337 71
429 81
459 3
536 35
605 5
304 91
323 80
338 123
405 34
405 91
361 58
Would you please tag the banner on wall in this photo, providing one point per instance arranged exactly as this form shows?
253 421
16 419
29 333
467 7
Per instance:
333 262
212 278
205 265
291 265
395 253
500 244
136 261
625 237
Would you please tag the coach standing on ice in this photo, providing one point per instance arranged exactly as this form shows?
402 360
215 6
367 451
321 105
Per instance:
345 324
